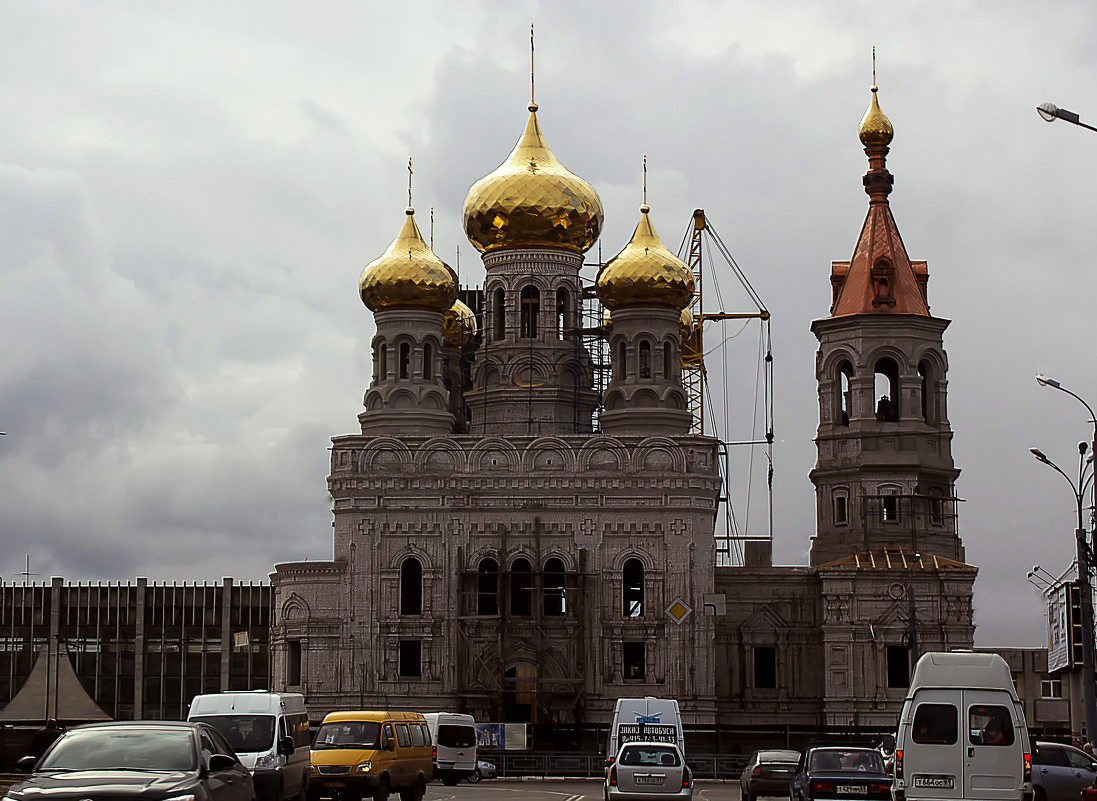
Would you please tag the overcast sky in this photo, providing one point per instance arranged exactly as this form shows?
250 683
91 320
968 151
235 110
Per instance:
188 192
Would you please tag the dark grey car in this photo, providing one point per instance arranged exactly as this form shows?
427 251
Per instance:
768 772
1059 772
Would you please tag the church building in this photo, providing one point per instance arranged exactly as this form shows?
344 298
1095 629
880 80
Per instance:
516 539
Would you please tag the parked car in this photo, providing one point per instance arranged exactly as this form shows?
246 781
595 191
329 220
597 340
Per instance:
145 760
1059 772
840 772
768 772
483 770
648 772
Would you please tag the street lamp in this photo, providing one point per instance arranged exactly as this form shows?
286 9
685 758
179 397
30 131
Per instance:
1051 112
1078 488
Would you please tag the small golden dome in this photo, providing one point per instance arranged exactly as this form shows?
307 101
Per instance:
876 130
645 273
685 324
532 201
458 325
408 275
607 322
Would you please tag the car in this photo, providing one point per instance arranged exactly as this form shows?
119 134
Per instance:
1059 772
146 760
768 772
835 771
648 771
483 770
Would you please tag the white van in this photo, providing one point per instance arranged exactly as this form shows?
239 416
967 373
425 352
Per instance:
270 734
962 732
649 720
454 738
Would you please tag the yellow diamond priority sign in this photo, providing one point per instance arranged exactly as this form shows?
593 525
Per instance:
678 611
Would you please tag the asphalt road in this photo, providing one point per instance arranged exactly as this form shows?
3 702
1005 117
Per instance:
559 790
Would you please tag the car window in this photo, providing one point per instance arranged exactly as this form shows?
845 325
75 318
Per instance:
989 724
453 736
347 733
417 735
935 724
650 755
118 747
223 745
1079 759
245 733
403 736
426 733
847 759
1050 755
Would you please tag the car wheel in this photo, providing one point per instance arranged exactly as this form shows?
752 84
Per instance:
475 776
1040 793
449 779
382 791
415 792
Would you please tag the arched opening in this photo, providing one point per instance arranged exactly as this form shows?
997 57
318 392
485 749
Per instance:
882 274
555 601
499 310
411 587
530 309
632 579
925 372
619 367
405 359
487 587
563 304
845 392
519 693
521 581
887 389
645 359
383 363
428 362
889 504
668 364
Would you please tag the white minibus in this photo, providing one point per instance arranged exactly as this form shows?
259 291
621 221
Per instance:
454 737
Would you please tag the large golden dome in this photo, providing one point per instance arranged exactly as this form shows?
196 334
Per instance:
532 201
876 129
408 275
645 273
458 325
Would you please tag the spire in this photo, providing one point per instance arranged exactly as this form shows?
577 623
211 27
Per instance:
880 278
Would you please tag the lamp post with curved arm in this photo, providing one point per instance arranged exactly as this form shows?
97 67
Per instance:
1078 487
1050 112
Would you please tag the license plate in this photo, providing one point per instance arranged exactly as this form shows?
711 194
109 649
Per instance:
938 782
335 784
852 789
650 779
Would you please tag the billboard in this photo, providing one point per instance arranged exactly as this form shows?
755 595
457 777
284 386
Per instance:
1058 628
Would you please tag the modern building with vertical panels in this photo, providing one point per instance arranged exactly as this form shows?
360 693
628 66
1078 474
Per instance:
132 650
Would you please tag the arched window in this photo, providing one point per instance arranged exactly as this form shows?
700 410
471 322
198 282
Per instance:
882 273
889 504
428 362
936 506
531 307
645 359
521 580
555 603
563 303
887 389
487 587
620 368
668 365
845 392
405 359
499 309
411 587
841 507
926 374
632 577
383 363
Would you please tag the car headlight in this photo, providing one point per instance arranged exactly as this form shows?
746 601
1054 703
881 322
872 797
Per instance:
364 767
266 761
187 797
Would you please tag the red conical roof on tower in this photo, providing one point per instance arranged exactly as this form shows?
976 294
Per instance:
880 278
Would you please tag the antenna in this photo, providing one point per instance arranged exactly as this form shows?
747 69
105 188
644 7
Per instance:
26 574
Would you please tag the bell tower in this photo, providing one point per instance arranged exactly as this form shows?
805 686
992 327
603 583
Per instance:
884 474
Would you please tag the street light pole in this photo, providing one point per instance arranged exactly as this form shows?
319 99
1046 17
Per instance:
1089 692
1050 112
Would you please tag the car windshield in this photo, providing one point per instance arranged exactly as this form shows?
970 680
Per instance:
650 755
348 733
245 733
123 749
847 759
457 736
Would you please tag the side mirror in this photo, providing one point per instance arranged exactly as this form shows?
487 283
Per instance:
888 743
220 762
285 746
26 764
1093 766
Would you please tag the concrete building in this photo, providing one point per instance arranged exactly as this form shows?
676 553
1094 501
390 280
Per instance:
515 538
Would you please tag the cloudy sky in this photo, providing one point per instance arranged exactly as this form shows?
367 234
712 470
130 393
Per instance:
188 192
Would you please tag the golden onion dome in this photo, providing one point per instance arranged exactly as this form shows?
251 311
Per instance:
532 201
458 325
876 129
685 324
645 273
408 275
